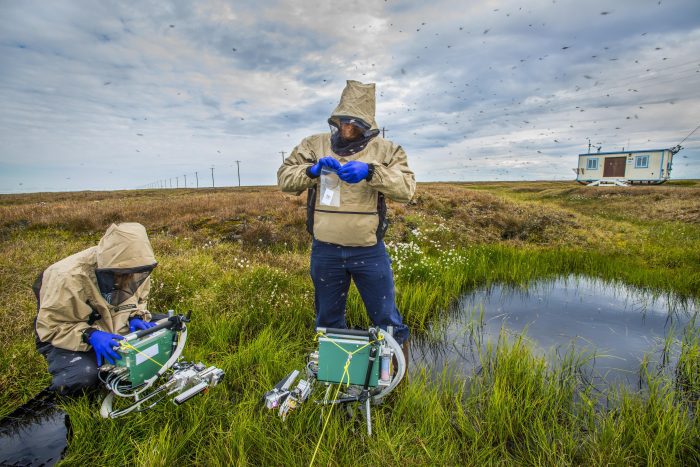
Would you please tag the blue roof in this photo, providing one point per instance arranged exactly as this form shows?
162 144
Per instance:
620 152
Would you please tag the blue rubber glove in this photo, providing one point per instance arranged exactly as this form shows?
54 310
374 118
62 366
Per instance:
137 324
104 343
353 172
327 161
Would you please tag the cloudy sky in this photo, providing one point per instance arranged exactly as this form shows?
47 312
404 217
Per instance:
111 95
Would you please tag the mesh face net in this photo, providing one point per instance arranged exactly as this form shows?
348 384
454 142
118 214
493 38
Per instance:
118 285
344 147
335 122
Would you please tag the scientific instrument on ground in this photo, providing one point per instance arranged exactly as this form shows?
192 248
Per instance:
365 366
152 356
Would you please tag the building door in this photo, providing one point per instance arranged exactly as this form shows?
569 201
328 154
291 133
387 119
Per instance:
614 167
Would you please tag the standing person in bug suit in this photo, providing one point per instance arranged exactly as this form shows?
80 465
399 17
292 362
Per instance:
348 237
88 301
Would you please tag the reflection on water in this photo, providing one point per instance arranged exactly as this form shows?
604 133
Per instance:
35 434
618 324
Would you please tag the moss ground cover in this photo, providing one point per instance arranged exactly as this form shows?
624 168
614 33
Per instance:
239 259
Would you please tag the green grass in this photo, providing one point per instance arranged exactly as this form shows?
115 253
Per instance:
252 306
688 368
652 429
516 410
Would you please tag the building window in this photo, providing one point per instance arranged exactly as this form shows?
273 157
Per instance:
592 164
641 162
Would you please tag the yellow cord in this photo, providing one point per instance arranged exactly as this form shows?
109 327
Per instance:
342 378
328 417
126 345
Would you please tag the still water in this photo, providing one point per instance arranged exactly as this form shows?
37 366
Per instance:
616 323
36 434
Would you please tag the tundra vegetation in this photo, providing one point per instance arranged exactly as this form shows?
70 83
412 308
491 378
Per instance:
238 258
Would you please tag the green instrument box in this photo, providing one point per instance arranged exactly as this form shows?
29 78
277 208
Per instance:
152 351
333 354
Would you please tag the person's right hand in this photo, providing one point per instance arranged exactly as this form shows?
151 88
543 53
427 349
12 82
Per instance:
328 162
104 343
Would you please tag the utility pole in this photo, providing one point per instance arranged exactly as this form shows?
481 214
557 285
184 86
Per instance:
238 164
384 130
282 152
185 180
212 176
197 176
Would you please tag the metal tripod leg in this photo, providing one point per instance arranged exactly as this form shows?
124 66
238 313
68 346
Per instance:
326 397
368 414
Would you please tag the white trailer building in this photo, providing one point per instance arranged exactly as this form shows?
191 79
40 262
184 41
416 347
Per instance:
652 166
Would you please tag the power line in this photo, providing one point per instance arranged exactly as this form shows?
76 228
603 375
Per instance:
696 129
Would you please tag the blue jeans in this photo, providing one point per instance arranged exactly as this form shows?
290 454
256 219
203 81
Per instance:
332 268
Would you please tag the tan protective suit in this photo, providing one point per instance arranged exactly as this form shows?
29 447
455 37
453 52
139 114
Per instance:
355 222
70 296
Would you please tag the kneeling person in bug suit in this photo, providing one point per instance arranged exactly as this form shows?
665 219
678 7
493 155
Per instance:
88 301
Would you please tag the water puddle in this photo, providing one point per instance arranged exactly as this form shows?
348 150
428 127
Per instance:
36 434
618 324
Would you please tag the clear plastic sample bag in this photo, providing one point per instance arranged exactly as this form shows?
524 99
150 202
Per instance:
330 188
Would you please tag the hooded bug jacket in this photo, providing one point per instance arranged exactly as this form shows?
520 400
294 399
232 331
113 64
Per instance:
358 220
70 300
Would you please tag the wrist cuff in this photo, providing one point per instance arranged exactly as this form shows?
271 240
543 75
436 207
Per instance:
370 172
85 336
309 174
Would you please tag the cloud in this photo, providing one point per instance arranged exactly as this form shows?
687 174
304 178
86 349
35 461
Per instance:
122 94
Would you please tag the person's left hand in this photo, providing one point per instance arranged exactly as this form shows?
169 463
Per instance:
353 172
137 324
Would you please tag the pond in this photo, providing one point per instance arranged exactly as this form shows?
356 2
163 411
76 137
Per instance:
616 323
35 434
